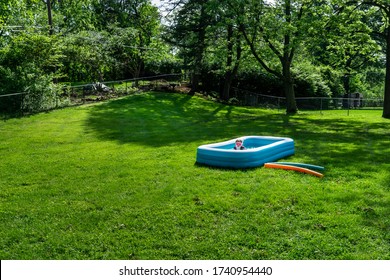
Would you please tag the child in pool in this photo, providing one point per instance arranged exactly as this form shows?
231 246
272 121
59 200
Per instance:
239 145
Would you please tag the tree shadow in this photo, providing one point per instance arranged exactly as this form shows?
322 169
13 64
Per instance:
349 150
162 119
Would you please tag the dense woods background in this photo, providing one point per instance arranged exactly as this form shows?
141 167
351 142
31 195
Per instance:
282 48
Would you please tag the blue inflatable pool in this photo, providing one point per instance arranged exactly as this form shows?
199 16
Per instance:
260 149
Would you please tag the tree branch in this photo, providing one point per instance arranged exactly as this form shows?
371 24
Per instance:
255 54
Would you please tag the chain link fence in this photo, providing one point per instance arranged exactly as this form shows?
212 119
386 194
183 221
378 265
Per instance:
79 94
249 98
14 103
109 89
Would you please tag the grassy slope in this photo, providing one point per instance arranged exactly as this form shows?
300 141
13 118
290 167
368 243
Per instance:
117 180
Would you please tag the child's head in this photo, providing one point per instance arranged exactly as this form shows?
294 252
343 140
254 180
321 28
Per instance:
238 142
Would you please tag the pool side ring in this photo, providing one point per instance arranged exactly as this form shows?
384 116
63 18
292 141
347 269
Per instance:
260 149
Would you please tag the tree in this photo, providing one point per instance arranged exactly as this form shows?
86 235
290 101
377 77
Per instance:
86 56
227 36
274 31
49 16
207 37
138 17
188 31
72 16
383 7
343 41
232 59
27 64
4 13
90 40
381 32
146 21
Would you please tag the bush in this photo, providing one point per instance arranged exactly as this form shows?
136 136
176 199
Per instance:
40 93
309 81
259 82
166 66
28 64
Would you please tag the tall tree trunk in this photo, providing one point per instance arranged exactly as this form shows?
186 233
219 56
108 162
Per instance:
196 75
49 17
226 86
285 56
231 70
138 71
288 87
228 73
386 102
199 50
288 54
346 83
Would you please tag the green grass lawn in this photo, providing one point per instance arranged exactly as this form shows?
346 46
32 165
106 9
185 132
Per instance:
118 180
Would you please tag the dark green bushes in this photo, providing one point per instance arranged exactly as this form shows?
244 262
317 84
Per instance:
29 64
307 83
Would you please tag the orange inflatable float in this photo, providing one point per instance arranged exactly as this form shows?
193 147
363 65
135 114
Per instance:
295 168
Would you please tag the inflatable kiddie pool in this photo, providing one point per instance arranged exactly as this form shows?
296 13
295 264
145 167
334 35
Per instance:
260 149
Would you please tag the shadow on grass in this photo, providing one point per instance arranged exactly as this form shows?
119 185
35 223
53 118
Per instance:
351 149
162 119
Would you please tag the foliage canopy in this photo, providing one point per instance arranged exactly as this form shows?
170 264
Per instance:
316 48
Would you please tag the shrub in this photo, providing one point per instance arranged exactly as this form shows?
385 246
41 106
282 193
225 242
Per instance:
28 64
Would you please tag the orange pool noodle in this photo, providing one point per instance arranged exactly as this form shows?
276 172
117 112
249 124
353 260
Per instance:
295 168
